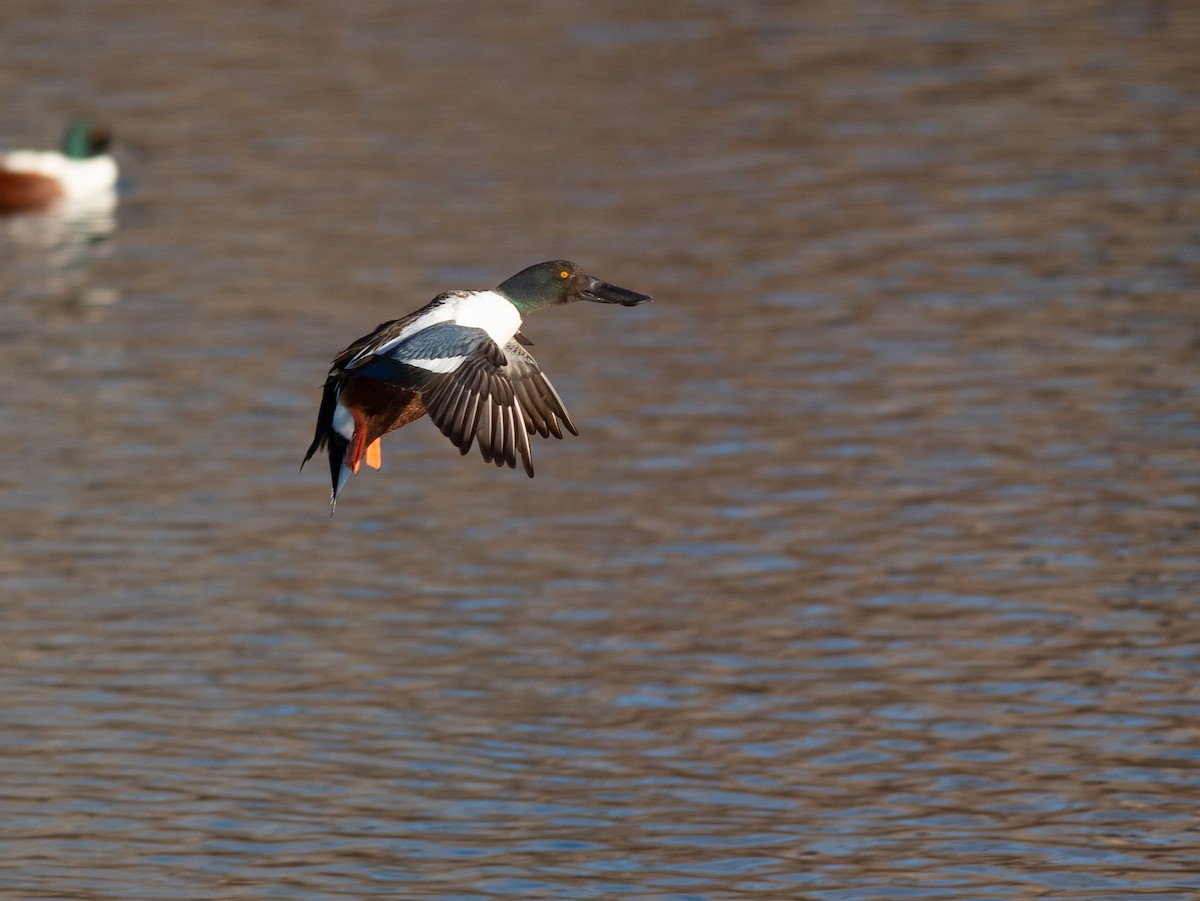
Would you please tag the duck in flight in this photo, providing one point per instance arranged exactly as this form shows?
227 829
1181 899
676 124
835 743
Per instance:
460 359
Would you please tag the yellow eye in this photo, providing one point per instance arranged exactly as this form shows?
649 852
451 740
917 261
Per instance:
564 274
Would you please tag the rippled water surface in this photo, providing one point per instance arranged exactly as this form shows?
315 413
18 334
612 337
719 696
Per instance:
873 573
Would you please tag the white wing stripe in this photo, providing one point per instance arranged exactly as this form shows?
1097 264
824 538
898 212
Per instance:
437 364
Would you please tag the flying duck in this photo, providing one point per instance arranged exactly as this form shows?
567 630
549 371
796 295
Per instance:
460 359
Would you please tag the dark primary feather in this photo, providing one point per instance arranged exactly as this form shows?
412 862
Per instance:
477 403
542 407
495 398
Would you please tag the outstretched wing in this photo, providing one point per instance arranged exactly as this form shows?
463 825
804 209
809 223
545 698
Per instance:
540 404
464 379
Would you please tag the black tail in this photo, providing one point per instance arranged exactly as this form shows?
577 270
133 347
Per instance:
325 435
324 421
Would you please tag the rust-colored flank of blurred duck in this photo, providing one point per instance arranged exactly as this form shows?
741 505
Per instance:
28 192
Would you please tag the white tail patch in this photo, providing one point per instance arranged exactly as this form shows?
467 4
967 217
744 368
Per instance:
343 421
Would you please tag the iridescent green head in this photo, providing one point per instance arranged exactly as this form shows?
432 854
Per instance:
84 140
561 281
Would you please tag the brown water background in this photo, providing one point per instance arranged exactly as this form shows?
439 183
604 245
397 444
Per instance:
874 572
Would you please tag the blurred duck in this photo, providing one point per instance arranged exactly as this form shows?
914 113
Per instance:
80 174
460 359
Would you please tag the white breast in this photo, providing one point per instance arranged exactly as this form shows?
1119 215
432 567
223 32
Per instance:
91 176
489 311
